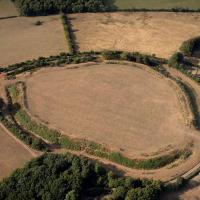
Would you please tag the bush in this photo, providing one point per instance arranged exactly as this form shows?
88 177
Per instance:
119 193
111 55
190 46
176 60
38 23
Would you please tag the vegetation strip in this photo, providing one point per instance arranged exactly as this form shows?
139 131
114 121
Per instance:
68 34
67 58
15 129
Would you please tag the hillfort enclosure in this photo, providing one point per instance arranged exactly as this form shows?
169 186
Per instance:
99 99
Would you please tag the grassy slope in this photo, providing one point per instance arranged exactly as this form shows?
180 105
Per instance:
193 4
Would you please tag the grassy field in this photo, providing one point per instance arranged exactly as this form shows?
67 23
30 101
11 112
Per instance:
97 101
156 4
12 154
22 40
149 32
7 9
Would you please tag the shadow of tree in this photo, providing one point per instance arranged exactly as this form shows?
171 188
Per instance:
176 195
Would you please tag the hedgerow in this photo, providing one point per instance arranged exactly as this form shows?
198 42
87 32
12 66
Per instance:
68 34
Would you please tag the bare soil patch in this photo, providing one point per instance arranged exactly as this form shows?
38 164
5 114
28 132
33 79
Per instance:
12 154
125 108
22 40
149 32
7 9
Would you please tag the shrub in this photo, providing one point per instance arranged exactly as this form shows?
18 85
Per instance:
111 55
119 193
190 46
38 23
176 60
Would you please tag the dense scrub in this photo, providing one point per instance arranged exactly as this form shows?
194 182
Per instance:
47 7
66 177
17 131
66 58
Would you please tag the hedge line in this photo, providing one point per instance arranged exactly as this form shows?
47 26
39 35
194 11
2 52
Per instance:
147 164
63 58
67 58
68 34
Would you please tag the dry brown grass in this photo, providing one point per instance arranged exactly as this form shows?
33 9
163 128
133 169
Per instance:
12 154
125 108
21 40
7 9
153 33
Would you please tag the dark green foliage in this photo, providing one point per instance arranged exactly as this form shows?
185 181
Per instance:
190 46
119 193
133 56
59 60
65 58
9 122
67 177
180 183
68 34
176 60
47 7
28 139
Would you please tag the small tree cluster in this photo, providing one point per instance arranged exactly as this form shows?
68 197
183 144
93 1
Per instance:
176 60
67 177
190 46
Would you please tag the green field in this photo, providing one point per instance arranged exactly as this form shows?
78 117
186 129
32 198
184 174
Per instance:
156 4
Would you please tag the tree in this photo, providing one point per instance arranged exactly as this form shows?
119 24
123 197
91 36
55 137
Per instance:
72 195
176 60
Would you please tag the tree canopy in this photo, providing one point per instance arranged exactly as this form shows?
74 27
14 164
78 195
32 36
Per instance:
67 177
46 7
